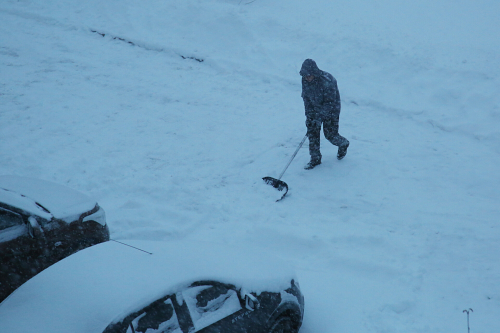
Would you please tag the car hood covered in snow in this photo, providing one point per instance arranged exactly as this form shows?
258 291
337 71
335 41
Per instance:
59 201
99 285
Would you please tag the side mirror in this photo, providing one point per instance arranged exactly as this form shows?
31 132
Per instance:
34 229
251 302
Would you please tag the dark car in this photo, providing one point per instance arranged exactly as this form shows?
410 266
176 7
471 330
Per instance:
153 287
215 307
40 224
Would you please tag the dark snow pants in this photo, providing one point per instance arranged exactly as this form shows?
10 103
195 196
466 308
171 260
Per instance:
331 131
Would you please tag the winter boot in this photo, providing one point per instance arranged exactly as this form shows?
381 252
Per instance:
342 151
312 164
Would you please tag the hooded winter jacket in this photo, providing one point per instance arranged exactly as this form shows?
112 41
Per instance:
321 95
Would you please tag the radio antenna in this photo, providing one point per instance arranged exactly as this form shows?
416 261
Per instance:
130 246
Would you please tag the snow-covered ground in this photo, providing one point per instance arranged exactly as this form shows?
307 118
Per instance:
169 113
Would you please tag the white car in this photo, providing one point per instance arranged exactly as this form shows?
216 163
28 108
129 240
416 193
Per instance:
151 287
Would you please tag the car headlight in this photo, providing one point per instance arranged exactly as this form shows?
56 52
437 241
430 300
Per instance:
99 217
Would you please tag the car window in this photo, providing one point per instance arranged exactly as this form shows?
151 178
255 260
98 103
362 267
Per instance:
9 219
159 318
209 304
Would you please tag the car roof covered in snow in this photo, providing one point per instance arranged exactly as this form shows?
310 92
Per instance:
102 284
60 201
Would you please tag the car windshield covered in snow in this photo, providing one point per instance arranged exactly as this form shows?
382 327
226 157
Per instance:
172 287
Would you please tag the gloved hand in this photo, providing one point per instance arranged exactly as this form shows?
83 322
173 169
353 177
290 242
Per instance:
312 122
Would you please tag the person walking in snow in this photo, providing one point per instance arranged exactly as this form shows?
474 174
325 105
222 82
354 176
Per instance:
322 105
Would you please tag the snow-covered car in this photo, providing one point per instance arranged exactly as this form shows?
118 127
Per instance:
152 287
41 223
